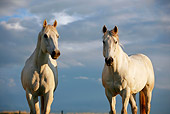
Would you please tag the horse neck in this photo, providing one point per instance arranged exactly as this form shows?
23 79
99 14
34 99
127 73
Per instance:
120 61
41 58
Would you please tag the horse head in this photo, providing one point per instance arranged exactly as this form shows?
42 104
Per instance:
49 39
110 44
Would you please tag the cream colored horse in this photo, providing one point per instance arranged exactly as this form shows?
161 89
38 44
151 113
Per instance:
39 76
126 75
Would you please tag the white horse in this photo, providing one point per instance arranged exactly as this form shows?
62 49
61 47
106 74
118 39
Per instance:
39 76
126 75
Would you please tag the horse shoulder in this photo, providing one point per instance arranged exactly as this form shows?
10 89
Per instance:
28 73
106 78
112 80
53 65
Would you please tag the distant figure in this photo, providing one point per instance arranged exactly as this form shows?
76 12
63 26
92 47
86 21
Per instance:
126 75
62 112
39 76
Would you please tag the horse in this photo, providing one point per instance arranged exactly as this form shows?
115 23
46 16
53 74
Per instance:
126 75
39 76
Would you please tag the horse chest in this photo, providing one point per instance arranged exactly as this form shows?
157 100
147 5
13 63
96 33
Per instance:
113 82
42 80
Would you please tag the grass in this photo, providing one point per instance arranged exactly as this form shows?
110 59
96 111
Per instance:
14 112
24 112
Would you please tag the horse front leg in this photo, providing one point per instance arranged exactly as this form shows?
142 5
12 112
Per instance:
112 101
33 102
48 99
42 104
132 101
125 93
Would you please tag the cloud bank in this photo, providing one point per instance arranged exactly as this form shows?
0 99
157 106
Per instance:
144 27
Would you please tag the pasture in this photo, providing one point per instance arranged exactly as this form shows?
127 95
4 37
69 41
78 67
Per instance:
24 112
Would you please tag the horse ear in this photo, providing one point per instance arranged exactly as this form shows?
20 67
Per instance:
115 30
104 29
55 23
45 23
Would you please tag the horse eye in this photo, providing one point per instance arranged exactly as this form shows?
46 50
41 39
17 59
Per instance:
103 42
58 36
45 36
116 42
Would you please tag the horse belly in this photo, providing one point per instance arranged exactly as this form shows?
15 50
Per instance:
139 82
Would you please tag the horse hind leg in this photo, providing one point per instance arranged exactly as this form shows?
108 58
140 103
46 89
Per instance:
145 100
148 96
132 101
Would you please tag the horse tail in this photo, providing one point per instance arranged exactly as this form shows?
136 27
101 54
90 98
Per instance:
142 102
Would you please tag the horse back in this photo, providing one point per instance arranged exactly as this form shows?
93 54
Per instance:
142 60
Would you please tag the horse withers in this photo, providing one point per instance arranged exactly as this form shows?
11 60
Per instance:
39 76
126 75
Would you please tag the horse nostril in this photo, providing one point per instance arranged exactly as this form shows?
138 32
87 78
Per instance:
58 54
55 54
109 61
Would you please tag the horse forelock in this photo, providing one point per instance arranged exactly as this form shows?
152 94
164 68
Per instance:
50 28
112 33
45 30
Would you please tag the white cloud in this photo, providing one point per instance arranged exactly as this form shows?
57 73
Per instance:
78 53
81 77
11 82
163 86
161 62
99 80
80 46
63 18
14 26
67 62
9 7
62 65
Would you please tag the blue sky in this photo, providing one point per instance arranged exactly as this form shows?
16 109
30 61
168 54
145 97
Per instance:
144 27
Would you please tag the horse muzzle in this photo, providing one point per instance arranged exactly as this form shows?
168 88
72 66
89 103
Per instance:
55 54
109 61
